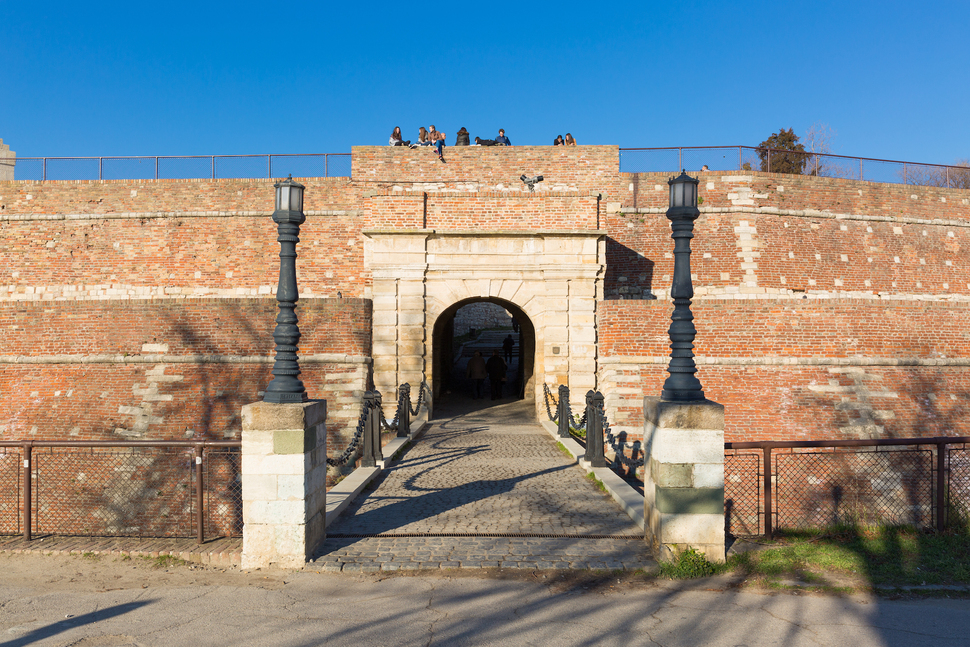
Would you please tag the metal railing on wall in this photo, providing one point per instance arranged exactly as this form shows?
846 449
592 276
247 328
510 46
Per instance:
183 167
121 488
771 485
740 158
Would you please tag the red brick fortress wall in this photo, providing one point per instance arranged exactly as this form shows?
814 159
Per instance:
798 369
168 369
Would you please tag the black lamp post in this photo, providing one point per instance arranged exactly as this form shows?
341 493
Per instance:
286 386
682 385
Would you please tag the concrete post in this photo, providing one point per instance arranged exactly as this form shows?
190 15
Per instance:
683 481
284 482
8 159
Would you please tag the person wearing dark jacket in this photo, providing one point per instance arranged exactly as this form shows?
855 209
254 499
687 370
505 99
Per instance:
484 142
496 374
502 139
477 372
461 139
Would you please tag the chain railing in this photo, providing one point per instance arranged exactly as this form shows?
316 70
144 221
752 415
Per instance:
594 418
372 420
173 488
183 167
741 158
923 482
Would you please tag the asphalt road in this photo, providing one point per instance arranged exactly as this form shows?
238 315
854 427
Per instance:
87 602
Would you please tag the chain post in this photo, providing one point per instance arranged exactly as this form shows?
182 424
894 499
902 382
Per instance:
562 410
404 411
594 429
367 453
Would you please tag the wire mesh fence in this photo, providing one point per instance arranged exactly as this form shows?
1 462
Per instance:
113 492
742 493
826 488
121 489
958 484
11 495
223 492
186 167
919 482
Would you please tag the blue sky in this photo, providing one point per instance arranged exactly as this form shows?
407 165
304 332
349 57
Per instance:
891 79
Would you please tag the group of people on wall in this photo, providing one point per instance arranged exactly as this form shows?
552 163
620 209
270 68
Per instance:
432 137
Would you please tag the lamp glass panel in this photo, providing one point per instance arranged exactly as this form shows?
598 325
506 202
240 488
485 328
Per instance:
679 194
672 194
691 194
284 201
277 198
296 198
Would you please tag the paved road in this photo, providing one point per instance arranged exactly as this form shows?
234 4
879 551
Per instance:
61 601
487 472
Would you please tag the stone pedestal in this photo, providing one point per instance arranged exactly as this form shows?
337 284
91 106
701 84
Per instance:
683 482
284 482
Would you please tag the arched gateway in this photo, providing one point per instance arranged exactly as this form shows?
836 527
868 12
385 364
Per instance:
422 276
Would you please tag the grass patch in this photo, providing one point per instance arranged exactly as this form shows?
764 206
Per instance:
91 556
165 561
578 433
598 483
563 449
690 564
884 556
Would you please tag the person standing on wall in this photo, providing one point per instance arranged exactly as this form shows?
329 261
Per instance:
502 139
496 374
477 373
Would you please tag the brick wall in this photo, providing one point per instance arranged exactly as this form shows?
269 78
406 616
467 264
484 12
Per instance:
505 211
119 369
876 261
486 168
798 369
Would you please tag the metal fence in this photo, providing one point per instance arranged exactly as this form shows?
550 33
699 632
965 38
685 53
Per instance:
185 167
922 482
737 158
121 488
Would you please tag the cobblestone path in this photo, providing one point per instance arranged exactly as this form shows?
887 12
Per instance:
486 474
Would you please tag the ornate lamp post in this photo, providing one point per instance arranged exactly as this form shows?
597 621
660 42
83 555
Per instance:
682 385
286 386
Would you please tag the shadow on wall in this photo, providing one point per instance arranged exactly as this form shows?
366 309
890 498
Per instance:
629 274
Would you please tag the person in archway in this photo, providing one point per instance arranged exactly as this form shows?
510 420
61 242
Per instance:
477 373
507 346
496 374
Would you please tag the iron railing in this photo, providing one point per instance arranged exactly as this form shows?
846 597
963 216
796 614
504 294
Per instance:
737 158
923 482
183 167
171 488
632 160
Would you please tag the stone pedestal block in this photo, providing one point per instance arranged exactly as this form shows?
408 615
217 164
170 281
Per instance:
284 482
683 482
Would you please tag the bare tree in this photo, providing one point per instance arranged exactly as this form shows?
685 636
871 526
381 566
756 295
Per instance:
929 175
818 141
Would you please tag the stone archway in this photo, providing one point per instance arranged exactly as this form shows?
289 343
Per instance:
553 277
442 351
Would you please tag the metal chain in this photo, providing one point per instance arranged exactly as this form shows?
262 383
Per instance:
548 396
355 441
417 407
616 445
